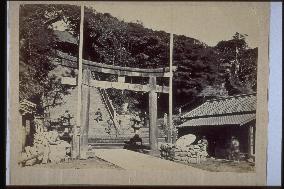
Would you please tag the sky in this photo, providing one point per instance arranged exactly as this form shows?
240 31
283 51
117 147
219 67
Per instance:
209 23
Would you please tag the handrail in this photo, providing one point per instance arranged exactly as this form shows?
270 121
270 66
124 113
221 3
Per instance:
109 106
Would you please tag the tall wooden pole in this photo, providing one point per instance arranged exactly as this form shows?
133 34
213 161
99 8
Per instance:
76 143
171 91
153 116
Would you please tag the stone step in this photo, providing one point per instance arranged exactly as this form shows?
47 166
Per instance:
110 145
105 140
106 144
113 135
117 140
108 140
107 147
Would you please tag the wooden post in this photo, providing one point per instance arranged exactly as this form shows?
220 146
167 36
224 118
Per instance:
251 140
170 128
85 114
27 131
153 116
22 132
76 148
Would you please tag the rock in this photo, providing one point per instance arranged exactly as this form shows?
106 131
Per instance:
183 154
250 160
196 147
178 158
204 153
185 140
31 162
193 160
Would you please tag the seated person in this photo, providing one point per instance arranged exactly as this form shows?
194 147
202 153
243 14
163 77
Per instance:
136 139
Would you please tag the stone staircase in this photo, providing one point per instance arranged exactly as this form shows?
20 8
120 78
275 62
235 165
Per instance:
99 138
114 142
98 129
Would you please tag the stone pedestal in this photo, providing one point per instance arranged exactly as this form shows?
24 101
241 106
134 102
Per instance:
155 153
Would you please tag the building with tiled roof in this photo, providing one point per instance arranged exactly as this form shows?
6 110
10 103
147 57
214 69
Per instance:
65 36
221 118
66 42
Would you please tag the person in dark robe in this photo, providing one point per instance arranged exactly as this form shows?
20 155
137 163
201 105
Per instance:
98 115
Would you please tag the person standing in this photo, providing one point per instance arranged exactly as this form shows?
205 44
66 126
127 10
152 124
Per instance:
110 125
165 121
136 123
179 111
66 118
146 119
203 144
98 115
235 149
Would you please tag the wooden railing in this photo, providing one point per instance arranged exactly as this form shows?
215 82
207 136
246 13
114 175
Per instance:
109 105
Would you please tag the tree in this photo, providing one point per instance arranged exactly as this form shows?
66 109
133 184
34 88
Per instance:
37 51
112 41
241 77
196 68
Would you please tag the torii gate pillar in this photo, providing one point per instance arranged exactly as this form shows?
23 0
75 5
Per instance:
85 113
153 116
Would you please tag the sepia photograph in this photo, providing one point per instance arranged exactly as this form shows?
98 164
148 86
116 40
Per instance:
131 88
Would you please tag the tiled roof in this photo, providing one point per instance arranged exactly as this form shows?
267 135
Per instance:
220 120
224 106
65 36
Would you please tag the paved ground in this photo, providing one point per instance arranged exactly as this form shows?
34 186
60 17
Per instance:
130 160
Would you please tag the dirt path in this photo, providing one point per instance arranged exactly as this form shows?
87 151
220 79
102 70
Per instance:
131 160
81 164
214 165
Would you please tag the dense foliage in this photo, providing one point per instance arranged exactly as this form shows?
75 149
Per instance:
112 41
37 44
116 42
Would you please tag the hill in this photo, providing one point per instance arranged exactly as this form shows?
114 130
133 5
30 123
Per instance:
229 68
113 41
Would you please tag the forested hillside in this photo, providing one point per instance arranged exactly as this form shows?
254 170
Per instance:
116 42
108 40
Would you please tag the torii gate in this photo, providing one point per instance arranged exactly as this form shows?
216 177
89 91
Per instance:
152 88
85 81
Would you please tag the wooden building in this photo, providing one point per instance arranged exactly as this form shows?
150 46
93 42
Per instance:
221 118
